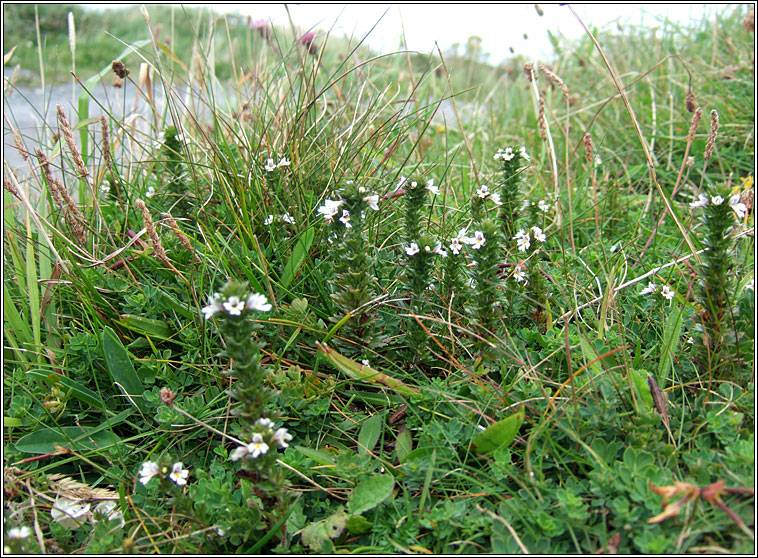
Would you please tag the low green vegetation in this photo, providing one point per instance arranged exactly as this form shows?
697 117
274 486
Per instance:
321 300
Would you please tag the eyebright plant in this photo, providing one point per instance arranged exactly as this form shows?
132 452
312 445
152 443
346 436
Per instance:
719 213
511 163
354 261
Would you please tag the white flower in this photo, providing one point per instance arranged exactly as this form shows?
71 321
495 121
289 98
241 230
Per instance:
470 282
257 302
270 165
365 362
539 236
439 250
544 206
345 219
523 153
519 275
150 192
750 285
522 240
239 453
148 471
69 513
179 474
649 289
234 306
483 192
214 306
667 292
737 206
717 200
477 240
266 422
109 509
257 446
373 201
401 184
282 437
268 220
412 249
329 209
701 201
18 532
105 187
287 218
455 245
432 188
598 161
496 199
506 155
283 162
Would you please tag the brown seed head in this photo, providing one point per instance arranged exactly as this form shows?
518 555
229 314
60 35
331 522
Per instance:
167 396
119 69
712 135
529 71
690 102
694 124
588 147
749 22
542 121
555 80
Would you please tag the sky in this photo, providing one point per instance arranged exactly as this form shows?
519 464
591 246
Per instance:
500 26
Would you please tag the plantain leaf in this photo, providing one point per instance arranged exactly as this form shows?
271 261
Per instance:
365 373
403 444
370 492
499 435
371 429
72 437
76 389
295 261
121 368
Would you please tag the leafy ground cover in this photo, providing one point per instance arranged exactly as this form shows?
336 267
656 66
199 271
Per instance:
330 301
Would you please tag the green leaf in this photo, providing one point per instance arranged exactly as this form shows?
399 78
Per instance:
316 534
403 444
639 381
121 368
317 456
371 429
295 261
72 437
357 525
370 492
590 354
671 332
499 435
360 372
76 389
145 326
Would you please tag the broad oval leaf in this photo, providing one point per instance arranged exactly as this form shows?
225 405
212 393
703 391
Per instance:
71 437
370 492
371 429
499 435
121 368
